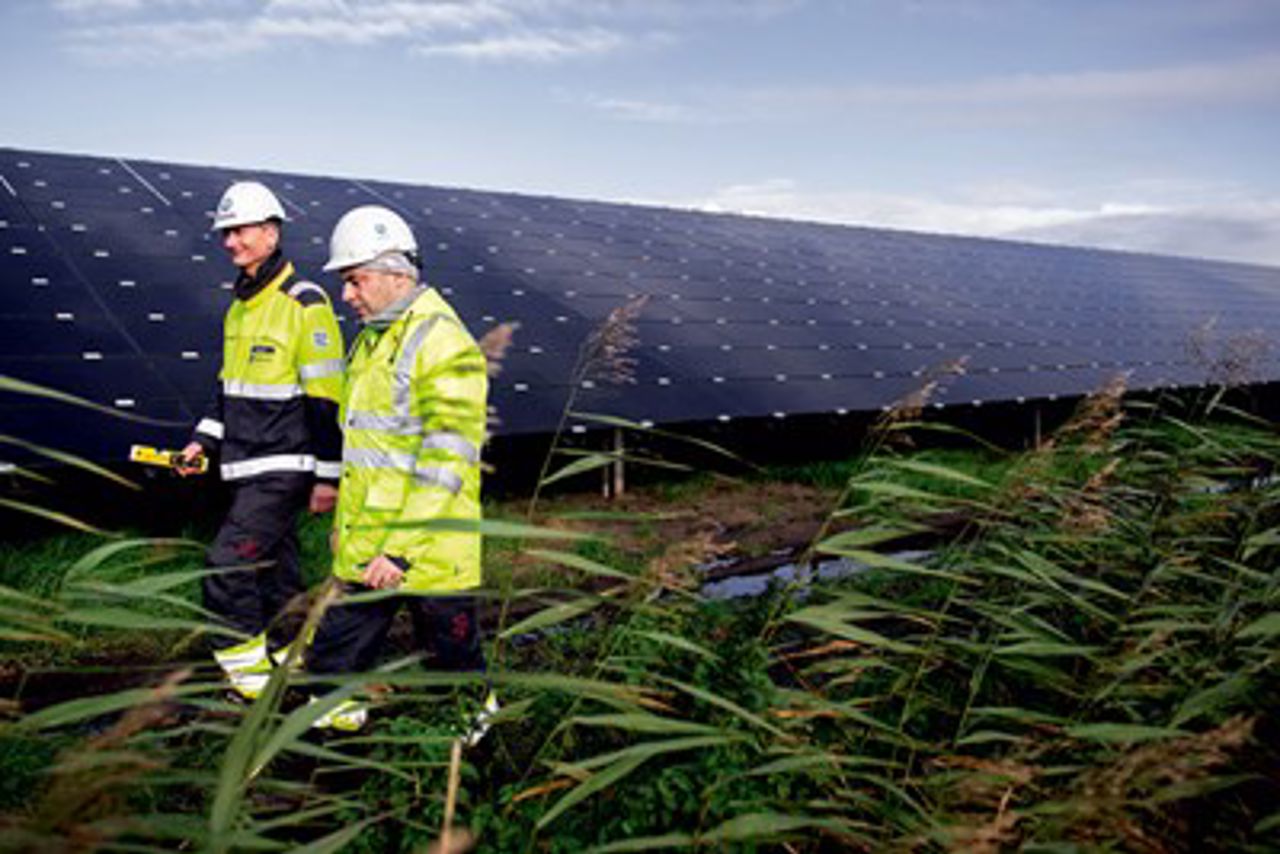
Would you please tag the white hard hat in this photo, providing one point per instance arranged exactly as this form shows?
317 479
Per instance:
366 232
246 202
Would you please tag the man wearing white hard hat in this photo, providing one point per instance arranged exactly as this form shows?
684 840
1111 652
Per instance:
413 420
273 430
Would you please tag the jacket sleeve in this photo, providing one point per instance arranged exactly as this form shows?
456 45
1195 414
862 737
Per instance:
210 429
450 386
320 369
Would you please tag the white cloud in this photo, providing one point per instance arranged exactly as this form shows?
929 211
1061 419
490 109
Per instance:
648 111
673 11
1249 233
117 7
1238 230
157 30
546 46
401 16
785 198
116 43
83 7
1254 78
492 30
1062 96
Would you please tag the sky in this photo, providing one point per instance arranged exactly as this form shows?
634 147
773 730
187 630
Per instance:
1150 125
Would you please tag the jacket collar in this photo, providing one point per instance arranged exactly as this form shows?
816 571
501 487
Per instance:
247 287
396 310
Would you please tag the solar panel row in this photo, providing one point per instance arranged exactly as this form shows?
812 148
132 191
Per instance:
114 288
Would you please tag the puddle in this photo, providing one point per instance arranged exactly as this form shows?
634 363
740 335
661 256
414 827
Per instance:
1254 484
740 586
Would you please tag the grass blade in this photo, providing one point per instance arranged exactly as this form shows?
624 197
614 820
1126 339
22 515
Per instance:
551 616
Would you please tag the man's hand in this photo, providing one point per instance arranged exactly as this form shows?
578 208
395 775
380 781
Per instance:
192 452
323 497
381 573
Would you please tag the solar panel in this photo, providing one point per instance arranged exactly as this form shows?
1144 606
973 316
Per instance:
114 289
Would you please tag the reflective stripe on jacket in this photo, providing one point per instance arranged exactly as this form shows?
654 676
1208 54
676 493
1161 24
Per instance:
413 415
281 378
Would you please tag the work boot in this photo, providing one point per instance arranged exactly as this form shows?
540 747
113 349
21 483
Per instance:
474 729
281 655
246 666
347 716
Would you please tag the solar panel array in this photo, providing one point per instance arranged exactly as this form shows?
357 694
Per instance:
113 290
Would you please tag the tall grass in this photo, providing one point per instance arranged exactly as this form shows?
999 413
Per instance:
1086 661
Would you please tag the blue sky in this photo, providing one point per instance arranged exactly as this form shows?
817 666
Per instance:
1143 124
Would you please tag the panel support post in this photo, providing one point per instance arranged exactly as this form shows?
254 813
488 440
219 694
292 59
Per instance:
615 483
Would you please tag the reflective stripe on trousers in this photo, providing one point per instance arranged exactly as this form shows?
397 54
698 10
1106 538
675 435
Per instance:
262 465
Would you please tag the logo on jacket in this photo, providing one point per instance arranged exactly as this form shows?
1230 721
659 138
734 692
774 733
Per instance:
320 339
261 352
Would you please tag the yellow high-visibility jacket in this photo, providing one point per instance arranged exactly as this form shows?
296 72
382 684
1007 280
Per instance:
276 405
414 418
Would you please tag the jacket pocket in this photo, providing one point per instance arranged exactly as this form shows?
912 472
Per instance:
387 491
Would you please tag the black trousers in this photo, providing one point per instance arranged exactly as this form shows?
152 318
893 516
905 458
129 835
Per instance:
350 637
260 528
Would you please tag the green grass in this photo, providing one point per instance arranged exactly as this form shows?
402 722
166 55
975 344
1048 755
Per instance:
1087 662
986 464
25 762
47 569
37 567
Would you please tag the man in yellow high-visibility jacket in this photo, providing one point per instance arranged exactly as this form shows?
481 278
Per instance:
413 416
273 427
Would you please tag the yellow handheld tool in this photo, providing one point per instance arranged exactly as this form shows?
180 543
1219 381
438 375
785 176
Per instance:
167 459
